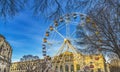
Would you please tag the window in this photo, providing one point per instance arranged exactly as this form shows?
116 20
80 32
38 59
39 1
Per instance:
4 70
99 70
56 68
72 68
61 68
78 67
66 68
92 70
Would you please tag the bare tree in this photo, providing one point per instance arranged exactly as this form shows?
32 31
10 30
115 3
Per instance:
9 8
104 13
29 58
53 9
104 27
106 17
50 8
30 63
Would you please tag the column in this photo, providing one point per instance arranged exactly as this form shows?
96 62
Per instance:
69 66
108 68
75 68
63 67
58 68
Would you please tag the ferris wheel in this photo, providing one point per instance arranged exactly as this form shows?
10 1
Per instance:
62 36
64 29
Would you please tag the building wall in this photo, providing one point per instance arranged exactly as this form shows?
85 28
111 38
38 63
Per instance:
65 62
27 66
5 55
70 62
115 65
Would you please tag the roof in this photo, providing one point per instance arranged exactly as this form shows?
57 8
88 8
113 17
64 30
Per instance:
2 36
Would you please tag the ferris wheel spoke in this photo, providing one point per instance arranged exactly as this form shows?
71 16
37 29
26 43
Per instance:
67 30
61 49
73 33
61 28
61 25
54 36
74 49
75 23
59 33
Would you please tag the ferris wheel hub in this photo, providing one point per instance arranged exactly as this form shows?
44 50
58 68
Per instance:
66 40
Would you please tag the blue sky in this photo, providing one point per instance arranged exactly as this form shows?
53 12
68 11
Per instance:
24 33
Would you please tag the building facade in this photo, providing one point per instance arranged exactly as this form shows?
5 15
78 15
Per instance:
28 66
115 65
5 55
65 62
69 62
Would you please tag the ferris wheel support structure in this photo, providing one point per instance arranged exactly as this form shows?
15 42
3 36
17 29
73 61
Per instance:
66 35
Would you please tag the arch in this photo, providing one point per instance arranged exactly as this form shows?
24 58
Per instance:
66 68
56 68
4 69
78 67
72 68
99 70
61 68
92 70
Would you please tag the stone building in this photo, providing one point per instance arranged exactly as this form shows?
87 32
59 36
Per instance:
5 55
69 62
28 66
115 65
65 62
